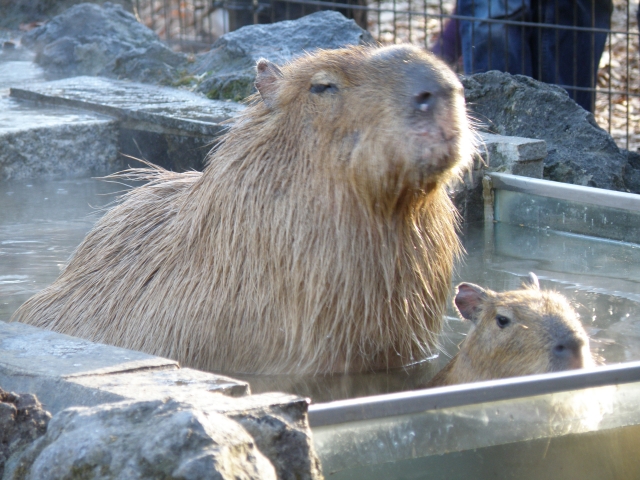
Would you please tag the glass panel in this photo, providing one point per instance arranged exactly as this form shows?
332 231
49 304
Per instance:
549 213
579 434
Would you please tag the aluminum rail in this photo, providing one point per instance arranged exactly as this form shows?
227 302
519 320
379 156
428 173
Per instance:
406 403
566 191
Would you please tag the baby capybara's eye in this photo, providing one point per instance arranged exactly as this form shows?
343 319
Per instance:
502 321
323 88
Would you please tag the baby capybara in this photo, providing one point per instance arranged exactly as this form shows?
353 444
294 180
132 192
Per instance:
520 332
319 238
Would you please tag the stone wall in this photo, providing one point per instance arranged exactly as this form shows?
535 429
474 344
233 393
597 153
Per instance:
124 414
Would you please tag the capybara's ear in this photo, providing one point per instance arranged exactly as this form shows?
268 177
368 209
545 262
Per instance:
468 299
267 81
531 282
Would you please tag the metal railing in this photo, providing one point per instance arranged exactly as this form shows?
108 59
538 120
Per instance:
589 47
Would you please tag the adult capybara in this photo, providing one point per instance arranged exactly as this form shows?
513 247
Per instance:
520 332
319 238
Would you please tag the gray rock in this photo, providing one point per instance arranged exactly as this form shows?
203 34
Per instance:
515 155
281 432
22 420
172 128
579 151
141 440
48 142
68 372
15 12
228 69
103 40
632 172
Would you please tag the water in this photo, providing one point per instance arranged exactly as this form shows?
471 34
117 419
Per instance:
42 222
605 454
585 434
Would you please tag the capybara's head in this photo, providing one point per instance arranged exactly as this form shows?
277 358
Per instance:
320 237
515 333
390 120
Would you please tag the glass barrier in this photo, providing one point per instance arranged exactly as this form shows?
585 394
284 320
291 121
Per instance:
586 433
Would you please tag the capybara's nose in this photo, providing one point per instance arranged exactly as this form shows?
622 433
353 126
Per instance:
423 101
568 351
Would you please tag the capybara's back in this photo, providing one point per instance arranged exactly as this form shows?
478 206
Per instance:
319 238
515 333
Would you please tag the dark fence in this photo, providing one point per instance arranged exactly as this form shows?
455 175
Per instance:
589 47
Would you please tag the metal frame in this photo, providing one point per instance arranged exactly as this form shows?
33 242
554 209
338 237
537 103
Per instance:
566 191
406 403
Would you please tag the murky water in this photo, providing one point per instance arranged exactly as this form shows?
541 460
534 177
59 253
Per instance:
604 454
41 222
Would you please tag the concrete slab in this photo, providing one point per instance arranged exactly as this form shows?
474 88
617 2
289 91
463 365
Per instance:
169 127
515 155
183 384
137 105
65 371
53 142
42 352
48 141
498 153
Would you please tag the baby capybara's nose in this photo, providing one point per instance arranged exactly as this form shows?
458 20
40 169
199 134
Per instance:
567 352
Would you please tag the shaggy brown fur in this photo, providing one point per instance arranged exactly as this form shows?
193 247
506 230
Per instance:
319 238
515 333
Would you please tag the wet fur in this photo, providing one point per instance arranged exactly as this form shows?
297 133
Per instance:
309 244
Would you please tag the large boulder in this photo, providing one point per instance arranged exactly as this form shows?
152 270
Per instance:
103 40
632 170
227 71
281 432
16 12
579 151
141 440
22 421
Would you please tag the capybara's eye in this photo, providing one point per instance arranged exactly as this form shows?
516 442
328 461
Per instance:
502 321
323 88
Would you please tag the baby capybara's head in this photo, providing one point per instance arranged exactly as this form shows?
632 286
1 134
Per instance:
390 120
521 332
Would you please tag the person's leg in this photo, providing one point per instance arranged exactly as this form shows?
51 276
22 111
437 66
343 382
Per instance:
447 46
569 57
495 46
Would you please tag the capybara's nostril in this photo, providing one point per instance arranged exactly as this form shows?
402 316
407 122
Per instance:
423 101
569 351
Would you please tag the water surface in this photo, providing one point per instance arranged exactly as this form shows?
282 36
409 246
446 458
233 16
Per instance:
41 223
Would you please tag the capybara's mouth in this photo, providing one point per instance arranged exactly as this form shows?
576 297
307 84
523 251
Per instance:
436 154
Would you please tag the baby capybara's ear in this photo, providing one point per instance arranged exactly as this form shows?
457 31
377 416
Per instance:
531 282
267 78
468 299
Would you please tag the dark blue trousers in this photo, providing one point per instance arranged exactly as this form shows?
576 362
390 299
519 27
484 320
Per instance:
553 55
